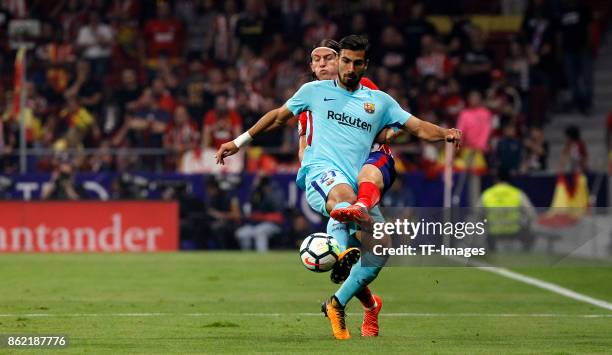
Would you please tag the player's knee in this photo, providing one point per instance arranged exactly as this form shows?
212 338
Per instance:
340 193
370 173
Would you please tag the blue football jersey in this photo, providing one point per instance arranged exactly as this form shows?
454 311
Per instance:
344 125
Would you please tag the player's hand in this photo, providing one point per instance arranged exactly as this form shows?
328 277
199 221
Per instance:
454 135
225 150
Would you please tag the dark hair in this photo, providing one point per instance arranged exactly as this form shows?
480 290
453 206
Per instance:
503 175
572 132
356 43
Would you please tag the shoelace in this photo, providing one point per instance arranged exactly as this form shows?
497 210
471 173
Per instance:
340 315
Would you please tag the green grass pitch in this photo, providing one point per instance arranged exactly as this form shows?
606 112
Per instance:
232 303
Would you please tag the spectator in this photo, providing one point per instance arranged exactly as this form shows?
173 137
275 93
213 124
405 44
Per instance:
265 217
182 134
453 102
574 26
86 88
220 124
574 157
199 18
536 151
193 224
163 36
71 15
58 56
192 90
145 129
414 29
299 229
126 97
62 185
476 122
290 72
430 102
225 44
76 116
251 26
509 153
319 26
433 59
95 41
518 66
216 86
222 215
392 51
509 213
103 161
163 96
538 30
476 63
503 99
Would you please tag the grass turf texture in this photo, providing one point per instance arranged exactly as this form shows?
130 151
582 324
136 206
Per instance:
231 302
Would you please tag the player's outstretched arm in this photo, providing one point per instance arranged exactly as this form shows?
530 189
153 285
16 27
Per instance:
271 120
431 132
302 144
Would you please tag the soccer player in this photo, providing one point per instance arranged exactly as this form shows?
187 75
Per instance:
346 119
377 173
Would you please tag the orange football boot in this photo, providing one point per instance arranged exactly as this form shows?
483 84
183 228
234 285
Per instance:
335 313
369 327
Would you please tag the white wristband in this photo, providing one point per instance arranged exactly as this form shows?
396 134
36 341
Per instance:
243 139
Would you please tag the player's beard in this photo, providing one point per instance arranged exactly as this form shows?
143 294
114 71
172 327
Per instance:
350 81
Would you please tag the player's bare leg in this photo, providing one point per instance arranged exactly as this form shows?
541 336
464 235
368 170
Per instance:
342 193
370 184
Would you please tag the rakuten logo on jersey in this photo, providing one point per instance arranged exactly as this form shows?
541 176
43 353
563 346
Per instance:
49 227
347 120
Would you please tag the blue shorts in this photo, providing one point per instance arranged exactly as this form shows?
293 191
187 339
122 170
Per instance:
320 183
386 165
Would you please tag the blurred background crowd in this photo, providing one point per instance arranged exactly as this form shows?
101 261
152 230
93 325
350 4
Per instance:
128 86
173 77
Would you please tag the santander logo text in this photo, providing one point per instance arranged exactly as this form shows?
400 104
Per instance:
88 227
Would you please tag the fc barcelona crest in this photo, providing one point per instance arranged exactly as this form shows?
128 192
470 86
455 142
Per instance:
369 107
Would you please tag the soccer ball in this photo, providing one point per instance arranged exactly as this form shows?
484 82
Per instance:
319 252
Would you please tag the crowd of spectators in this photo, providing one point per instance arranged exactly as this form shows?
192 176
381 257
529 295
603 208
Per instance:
171 77
138 85
168 77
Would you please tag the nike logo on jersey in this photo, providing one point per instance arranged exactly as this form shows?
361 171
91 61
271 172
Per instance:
326 99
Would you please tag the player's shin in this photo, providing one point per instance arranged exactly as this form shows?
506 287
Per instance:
365 297
339 230
360 277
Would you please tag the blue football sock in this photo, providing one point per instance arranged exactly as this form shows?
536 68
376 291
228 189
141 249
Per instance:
360 277
362 274
339 230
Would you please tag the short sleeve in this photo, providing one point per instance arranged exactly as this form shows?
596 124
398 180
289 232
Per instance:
300 101
394 115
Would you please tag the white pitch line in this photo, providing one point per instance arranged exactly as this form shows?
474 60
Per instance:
407 315
544 285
